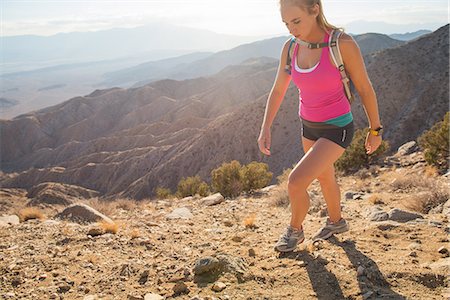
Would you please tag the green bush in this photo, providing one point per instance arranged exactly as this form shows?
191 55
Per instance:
192 185
434 144
231 179
163 193
256 176
227 179
355 156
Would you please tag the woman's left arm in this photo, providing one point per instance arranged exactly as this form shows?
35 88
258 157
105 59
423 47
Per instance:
356 70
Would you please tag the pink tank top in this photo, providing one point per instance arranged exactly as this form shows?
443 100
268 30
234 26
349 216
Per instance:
320 88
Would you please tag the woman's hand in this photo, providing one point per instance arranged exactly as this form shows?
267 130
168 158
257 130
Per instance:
264 141
372 143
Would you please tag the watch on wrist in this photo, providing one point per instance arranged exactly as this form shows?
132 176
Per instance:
377 131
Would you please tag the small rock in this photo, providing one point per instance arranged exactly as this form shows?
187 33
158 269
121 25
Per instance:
319 257
180 213
205 265
435 223
376 214
212 200
437 210
251 252
360 271
151 296
96 231
180 288
413 254
9 220
446 208
367 295
237 238
444 251
9 295
442 265
402 216
268 188
16 281
415 246
386 225
132 297
407 148
349 195
64 288
301 263
218 286
228 223
144 277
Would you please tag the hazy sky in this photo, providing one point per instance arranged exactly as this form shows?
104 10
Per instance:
241 17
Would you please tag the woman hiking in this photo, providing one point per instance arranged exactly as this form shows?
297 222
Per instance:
324 110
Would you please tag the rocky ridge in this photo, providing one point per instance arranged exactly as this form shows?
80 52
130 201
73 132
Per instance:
218 248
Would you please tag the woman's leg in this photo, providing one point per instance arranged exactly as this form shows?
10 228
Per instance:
331 194
330 188
318 159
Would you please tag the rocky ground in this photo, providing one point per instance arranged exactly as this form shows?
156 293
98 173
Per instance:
223 249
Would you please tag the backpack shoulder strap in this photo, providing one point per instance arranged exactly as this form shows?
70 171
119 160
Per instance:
337 58
287 67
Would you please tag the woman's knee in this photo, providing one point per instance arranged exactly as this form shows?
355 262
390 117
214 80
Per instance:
327 177
298 180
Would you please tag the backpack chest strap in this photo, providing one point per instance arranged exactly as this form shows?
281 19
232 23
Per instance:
311 45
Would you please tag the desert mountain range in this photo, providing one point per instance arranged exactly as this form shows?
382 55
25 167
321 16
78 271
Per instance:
126 142
26 91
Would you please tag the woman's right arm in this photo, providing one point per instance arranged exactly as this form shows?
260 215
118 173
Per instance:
274 101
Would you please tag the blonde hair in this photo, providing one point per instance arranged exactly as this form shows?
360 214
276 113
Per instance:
308 5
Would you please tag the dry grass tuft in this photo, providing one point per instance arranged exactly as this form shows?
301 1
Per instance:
375 199
135 233
431 171
107 208
249 222
423 202
30 213
93 259
125 204
280 195
109 227
67 231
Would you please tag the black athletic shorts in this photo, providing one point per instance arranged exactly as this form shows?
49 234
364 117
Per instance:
340 135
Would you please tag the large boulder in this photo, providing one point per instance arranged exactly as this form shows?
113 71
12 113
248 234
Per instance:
82 213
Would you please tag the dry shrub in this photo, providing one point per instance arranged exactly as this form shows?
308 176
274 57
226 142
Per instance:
109 227
407 183
249 222
427 192
67 230
423 202
30 213
280 195
375 199
431 171
107 208
125 204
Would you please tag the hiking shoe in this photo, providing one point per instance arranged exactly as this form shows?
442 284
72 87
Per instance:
289 240
331 228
